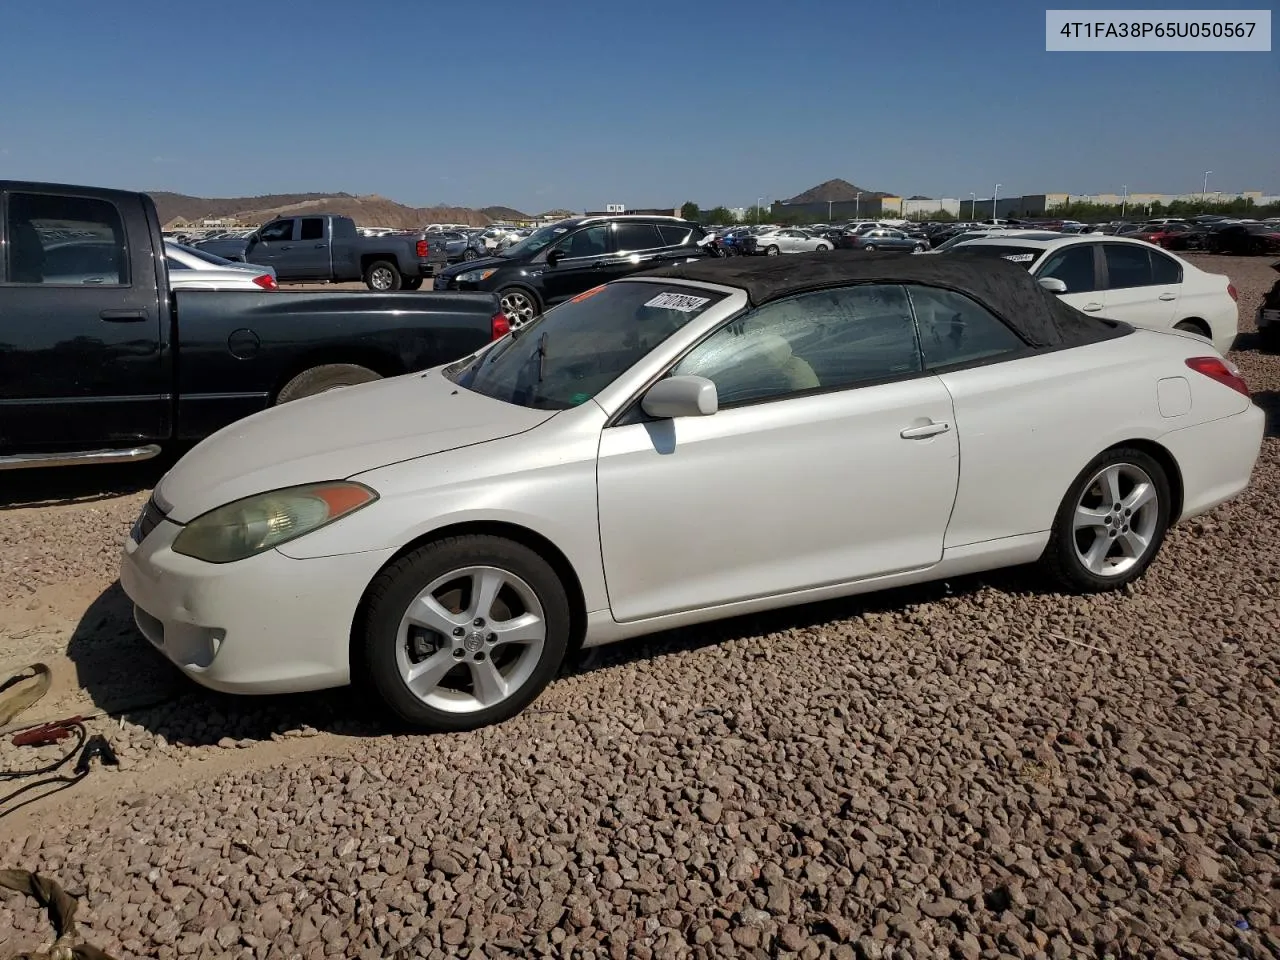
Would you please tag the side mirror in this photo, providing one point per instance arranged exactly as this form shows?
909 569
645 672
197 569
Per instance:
681 397
1053 285
554 257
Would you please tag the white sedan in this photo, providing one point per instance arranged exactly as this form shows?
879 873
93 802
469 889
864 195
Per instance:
716 438
791 240
1129 280
192 269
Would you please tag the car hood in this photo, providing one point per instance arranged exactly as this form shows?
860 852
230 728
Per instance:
480 263
336 435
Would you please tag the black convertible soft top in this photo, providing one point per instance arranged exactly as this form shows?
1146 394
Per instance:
1004 288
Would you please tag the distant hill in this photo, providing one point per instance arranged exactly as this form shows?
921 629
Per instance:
835 191
504 213
367 211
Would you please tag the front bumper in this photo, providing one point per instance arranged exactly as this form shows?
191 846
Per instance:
268 624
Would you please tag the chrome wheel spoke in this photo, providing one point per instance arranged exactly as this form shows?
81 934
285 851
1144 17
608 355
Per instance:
427 612
1090 517
1139 497
487 680
1096 556
484 591
1110 483
524 629
422 678
1134 544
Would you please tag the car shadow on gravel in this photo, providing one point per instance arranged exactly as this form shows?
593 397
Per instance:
1269 401
123 675
1024 580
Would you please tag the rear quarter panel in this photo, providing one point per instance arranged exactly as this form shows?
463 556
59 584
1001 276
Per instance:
237 349
1029 426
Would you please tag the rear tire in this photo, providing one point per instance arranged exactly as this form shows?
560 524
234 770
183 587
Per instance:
1192 326
382 276
470 687
1111 522
470 254
870 248
329 376
822 248
1269 339
411 283
771 251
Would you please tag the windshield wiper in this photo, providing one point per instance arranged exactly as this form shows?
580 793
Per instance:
542 354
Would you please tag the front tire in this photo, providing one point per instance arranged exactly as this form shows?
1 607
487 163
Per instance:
771 251
870 248
519 305
1111 522
464 632
383 276
322 379
1269 338
470 254
822 248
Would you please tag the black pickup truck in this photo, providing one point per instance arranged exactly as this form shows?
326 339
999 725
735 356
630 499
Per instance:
107 369
324 247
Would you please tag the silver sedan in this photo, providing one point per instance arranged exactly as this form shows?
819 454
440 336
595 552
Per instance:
192 269
791 240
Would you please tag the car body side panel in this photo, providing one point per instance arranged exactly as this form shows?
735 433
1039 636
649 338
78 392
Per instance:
1028 427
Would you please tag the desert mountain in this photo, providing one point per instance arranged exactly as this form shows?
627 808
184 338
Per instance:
367 211
834 190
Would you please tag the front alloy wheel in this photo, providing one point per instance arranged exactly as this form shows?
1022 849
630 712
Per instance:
464 632
519 308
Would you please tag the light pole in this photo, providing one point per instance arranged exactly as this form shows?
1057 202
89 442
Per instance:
759 201
994 198
1124 200
1204 192
857 205
973 205
829 211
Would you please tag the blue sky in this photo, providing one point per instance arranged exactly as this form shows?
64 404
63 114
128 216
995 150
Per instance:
540 105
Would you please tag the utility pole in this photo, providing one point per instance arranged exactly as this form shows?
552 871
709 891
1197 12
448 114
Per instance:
857 208
1205 191
994 198
1124 201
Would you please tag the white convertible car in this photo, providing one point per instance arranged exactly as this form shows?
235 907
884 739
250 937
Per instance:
714 438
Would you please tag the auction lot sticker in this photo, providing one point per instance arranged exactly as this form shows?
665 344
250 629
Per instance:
1158 31
678 301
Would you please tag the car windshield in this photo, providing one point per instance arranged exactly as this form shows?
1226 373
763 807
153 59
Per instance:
1018 254
203 255
535 241
575 350
1261 228
959 239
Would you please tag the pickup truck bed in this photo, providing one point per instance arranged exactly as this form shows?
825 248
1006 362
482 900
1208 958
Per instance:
111 369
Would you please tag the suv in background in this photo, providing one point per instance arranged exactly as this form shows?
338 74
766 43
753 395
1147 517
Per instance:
564 259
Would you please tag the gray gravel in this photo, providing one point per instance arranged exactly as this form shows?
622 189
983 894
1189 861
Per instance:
973 769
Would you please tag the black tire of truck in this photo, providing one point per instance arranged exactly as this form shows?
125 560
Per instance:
410 283
382 276
1269 338
330 376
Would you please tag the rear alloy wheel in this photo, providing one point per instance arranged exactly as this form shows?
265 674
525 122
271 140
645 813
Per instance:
771 251
465 632
322 379
870 248
918 248
519 306
470 254
822 248
1191 326
382 276
1111 522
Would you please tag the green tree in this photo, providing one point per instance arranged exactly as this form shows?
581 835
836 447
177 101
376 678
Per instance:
690 211
721 215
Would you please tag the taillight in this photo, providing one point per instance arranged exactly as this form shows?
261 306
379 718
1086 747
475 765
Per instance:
1215 368
1235 294
424 249
266 282
499 326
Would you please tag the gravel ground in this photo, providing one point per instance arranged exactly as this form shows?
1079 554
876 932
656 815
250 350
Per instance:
972 769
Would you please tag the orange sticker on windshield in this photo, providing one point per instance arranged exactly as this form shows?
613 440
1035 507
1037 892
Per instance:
590 293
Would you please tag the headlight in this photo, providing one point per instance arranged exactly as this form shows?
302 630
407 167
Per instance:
475 276
255 524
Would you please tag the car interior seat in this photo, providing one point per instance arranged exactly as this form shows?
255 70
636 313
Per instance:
26 257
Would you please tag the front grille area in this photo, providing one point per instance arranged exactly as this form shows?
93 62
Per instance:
147 521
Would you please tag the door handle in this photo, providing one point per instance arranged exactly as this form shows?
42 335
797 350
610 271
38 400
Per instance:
319 246
94 280
928 430
1168 296
123 316
1091 307
290 247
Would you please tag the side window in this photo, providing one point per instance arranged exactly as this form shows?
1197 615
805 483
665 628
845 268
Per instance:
674 236
173 264
823 340
1073 266
312 228
1127 266
636 236
591 242
955 329
66 241
280 230
1164 270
